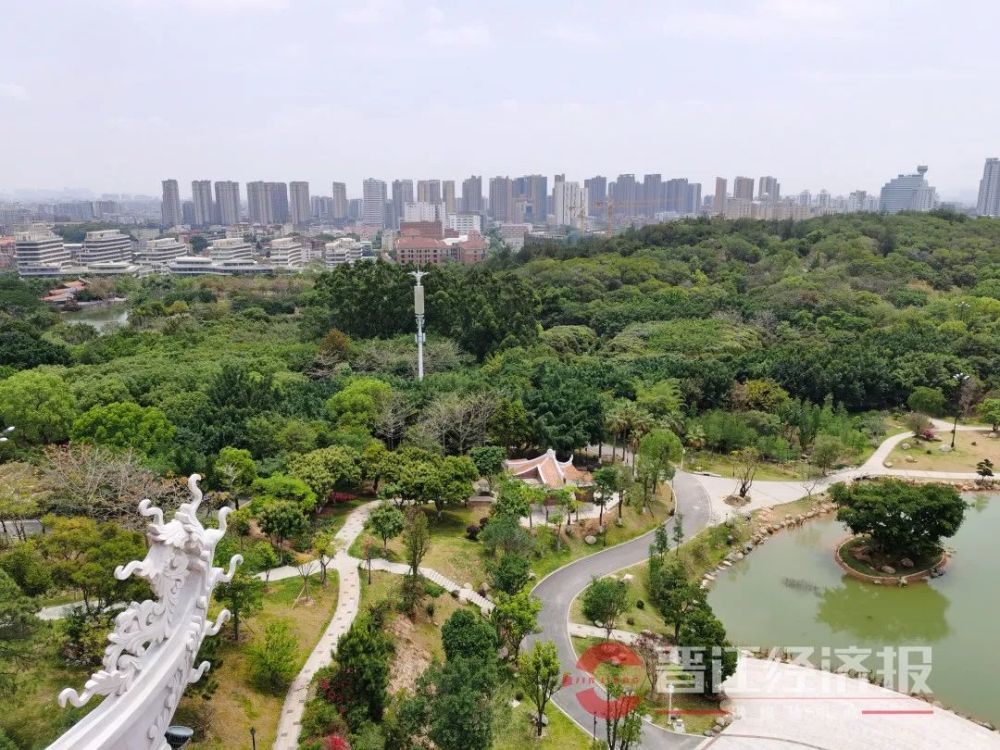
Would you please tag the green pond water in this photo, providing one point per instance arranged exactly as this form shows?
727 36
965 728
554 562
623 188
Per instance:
790 592
102 318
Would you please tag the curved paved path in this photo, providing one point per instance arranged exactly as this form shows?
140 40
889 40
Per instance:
558 589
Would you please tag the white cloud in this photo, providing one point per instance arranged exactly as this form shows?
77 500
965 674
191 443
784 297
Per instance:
576 35
440 34
769 19
13 91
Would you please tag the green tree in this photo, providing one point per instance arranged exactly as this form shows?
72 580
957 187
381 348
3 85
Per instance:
387 521
622 723
539 675
243 596
17 622
125 425
461 712
361 670
360 402
455 477
514 617
989 409
282 520
38 404
490 461
282 487
513 500
900 519
235 470
273 658
21 350
605 600
328 469
607 481
509 574
826 451
670 591
927 401
704 633
467 635
504 534
83 555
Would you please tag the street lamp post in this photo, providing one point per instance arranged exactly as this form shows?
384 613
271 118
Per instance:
670 701
418 309
960 378
253 737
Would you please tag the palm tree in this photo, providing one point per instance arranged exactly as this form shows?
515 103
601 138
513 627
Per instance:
616 423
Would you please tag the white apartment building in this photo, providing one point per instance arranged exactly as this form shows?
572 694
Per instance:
465 223
230 248
423 211
288 253
200 265
158 253
105 245
299 208
342 251
40 252
989 189
569 204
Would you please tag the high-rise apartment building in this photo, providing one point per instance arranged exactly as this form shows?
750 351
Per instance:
537 199
402 193
472 194
170 209
570 204
267 202
299 208
693 198
502 199
768 189
908 192
341 207
652 195
201 196
625 195
719 201
428 191
373 203
675 196
227 202
989 189
597 193
40 252
743 189
448 196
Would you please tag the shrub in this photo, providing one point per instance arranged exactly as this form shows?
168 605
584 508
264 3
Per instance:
472 532
630 621
429 609
640 604
272 658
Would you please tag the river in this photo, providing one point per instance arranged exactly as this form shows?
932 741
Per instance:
790 592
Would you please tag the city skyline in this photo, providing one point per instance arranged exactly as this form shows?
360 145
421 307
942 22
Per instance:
827 94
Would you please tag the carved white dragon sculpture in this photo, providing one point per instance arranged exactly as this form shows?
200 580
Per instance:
150 655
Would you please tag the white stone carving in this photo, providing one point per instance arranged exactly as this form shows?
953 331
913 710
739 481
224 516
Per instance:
150 656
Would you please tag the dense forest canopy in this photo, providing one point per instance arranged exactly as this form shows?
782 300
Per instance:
851 311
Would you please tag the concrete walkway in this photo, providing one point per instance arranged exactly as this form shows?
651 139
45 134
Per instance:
348 600
785 706
464 594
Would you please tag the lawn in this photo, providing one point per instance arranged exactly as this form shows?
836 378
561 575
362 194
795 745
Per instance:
656 705
636 619
970 448
454 555
518 732
718 463
235 705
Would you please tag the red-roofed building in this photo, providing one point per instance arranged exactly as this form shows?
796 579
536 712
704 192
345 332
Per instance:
549 471
473 249
421 251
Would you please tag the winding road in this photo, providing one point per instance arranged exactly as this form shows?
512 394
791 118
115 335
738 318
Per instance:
558 589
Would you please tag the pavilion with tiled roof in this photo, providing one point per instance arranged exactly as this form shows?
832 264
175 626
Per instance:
549 471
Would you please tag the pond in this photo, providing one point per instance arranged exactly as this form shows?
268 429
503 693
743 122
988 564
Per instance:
790 592
102 318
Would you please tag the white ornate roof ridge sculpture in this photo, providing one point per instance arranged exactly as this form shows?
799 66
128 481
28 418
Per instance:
150 658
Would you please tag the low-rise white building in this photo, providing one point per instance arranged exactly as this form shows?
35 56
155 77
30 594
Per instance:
341 251
105 245
230 248
288 253
158 253
40 252
465 223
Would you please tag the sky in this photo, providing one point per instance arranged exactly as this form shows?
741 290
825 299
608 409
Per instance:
116 95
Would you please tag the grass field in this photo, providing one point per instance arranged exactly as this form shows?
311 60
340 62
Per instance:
236 706
970 448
